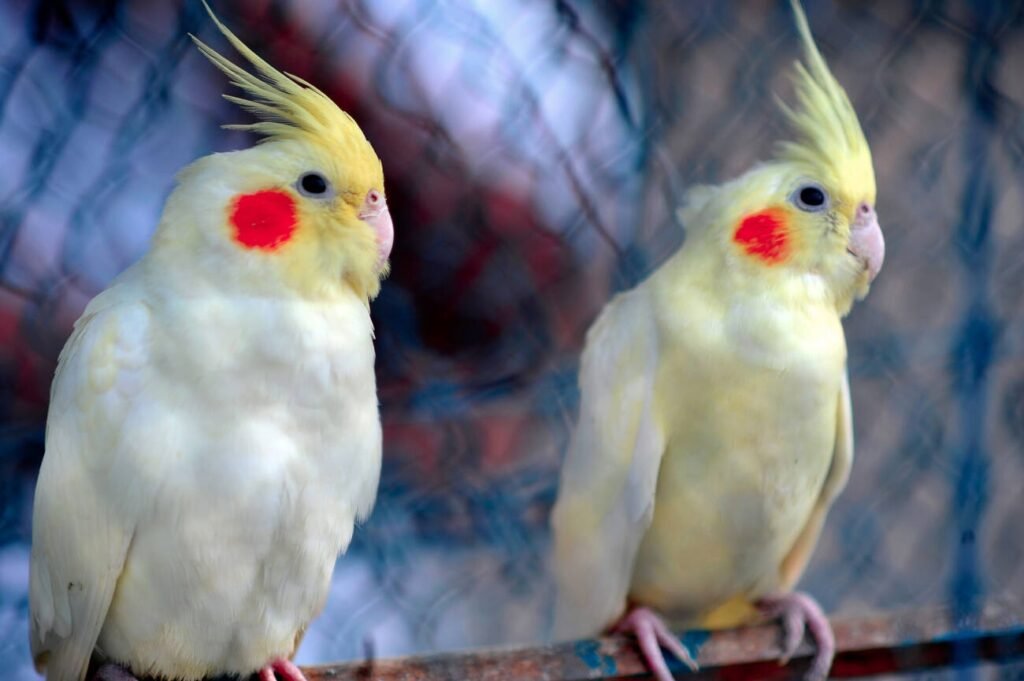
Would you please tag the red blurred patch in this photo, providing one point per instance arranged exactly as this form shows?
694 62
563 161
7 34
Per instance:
263 220
765 236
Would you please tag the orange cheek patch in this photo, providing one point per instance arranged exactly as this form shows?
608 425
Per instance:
764 236
264 219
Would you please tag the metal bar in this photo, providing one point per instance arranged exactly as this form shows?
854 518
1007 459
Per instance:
866 646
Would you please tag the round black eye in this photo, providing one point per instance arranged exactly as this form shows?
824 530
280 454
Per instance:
811 198
314 184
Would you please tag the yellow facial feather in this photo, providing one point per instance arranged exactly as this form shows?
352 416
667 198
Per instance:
829 136
306 131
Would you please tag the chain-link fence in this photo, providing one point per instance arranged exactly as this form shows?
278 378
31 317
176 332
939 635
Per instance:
534 153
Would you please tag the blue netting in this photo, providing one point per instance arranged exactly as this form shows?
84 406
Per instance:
534 154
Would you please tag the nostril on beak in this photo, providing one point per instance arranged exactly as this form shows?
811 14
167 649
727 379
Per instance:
373 204
864 216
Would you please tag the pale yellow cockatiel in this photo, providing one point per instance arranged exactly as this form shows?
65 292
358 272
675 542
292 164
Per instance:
715 425
213 432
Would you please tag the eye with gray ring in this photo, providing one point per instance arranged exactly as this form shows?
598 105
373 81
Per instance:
314 185
810 198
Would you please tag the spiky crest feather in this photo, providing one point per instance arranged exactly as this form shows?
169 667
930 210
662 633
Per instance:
287 105
829 136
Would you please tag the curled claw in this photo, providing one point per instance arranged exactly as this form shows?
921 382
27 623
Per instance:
799 612
652 634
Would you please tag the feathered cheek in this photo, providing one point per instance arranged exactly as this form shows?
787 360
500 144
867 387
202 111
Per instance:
765 236
264 220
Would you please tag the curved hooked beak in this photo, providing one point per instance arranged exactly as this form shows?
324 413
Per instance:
866 241
374 212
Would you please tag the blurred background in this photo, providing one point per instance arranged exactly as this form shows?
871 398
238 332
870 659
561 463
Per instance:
534 154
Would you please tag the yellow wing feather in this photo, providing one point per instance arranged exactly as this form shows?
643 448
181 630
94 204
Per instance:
795 562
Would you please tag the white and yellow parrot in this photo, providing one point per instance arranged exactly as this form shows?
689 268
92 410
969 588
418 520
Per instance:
213 433
715 425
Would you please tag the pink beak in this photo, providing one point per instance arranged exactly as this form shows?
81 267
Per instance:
866 241
374 212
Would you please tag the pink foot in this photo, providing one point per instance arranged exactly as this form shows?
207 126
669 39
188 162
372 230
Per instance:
800 612
652 634
285 670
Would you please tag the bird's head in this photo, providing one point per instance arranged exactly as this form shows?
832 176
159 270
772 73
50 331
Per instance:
806 220
304 211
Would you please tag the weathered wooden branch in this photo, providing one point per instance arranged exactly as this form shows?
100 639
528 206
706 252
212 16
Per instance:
878 644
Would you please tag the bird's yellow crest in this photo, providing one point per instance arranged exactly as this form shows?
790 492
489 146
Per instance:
287 105
829 136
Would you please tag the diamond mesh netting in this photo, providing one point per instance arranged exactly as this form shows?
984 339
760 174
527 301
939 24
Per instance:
534 154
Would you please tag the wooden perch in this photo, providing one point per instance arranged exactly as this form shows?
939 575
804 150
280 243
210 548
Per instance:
866 646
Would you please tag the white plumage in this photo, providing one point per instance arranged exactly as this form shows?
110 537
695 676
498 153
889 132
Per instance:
207 457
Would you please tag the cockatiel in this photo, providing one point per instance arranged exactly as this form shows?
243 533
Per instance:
715 425
213 433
